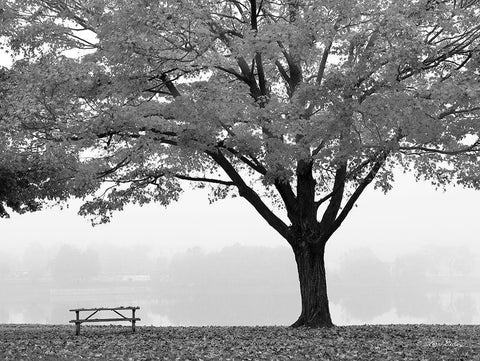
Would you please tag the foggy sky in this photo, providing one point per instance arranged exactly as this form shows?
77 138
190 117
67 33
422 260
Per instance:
410 217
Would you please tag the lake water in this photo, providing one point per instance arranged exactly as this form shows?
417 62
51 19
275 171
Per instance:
44 303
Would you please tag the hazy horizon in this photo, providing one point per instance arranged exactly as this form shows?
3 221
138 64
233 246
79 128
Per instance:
237 285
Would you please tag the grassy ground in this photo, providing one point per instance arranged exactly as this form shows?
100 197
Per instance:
394 342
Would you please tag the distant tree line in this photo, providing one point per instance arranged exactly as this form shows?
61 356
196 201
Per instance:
234 267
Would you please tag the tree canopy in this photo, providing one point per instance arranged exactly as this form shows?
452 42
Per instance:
295 105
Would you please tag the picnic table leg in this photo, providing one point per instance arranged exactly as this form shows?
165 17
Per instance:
133 320
77 324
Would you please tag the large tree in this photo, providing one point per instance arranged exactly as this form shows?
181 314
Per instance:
294 105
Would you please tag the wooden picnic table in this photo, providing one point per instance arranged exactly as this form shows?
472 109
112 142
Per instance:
78 321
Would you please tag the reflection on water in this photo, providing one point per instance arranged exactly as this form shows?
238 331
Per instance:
31 304
251 286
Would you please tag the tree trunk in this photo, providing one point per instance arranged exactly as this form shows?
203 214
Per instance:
313 287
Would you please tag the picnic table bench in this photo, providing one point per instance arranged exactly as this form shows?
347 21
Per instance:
78 321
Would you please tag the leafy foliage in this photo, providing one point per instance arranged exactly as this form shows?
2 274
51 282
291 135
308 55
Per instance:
31 171
394 342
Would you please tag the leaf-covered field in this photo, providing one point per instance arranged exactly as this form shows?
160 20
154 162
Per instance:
393 342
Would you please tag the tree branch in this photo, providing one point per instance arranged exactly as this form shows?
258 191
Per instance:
170 86
294 69
235 74
320 72
124 162
253 14
455 47
283 72
470 148
356 194
248 74
323 62
250 195
261 74
253 163
283 188
336 197
204 179
349 175
453 110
